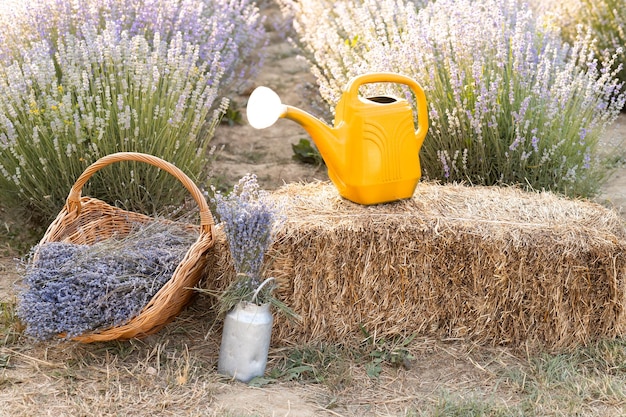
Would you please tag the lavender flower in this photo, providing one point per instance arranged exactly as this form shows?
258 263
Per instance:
248 217
232 29
605 18
74 289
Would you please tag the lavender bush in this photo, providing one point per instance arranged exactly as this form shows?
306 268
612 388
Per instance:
74 289
83 80
509 101
248 217
605 18
103 94
231 28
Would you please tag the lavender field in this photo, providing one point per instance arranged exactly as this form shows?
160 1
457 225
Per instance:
83 79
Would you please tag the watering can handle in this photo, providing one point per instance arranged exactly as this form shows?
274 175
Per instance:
391 77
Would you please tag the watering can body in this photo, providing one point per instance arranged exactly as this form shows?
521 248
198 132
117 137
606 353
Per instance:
381 146
372 151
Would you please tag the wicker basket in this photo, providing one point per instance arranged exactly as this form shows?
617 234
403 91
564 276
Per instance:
88 220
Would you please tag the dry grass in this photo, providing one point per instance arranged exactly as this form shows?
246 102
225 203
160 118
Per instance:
172 373
495 266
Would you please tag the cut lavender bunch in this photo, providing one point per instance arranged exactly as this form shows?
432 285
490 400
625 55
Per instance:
248 217
72 289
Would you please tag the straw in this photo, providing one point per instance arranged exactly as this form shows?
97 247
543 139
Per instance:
493 265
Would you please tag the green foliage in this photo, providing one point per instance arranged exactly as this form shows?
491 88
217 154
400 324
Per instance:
391 352
320 364
304 152
305 365
233 115
604 357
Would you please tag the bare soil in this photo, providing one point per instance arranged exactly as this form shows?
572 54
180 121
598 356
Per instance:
614 190
268 153
173 373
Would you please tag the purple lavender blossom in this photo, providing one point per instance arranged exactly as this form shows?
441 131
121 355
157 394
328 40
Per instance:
233 31
248 218
73 289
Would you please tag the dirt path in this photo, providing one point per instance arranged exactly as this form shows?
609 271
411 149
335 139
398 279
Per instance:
8 278
614 190
268 152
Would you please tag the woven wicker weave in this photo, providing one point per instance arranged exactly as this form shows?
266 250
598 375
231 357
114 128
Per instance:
86 220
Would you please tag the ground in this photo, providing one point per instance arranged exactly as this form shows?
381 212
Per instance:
268 153
173 373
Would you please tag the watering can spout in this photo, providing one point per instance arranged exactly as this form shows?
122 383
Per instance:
265 108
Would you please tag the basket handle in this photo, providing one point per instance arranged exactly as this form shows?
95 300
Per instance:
73 199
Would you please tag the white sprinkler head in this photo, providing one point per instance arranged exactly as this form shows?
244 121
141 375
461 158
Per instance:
264 108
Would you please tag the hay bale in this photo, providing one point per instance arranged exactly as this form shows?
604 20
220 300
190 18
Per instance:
489 264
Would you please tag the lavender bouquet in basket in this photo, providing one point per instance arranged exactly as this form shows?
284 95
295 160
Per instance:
69 289
248 217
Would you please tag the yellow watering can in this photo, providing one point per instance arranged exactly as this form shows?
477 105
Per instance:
372 152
